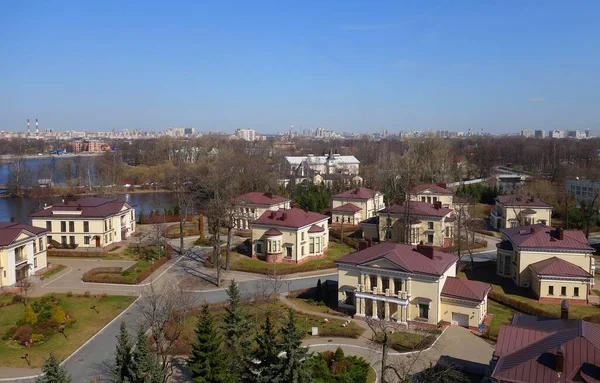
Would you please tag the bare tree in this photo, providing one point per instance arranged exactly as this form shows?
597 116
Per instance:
19 175
270 285
164 313
26 287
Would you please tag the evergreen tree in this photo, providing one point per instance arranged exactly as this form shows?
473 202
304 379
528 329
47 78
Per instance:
52 372
30 317
267 352
122 370
235 332
319 292
58 315
208 363
292 367
145 367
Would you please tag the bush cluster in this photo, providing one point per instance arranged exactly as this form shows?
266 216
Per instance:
118 275
518 305
40 321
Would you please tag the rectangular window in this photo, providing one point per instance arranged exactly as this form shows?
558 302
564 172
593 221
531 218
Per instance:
318 244
41 242
563 290
49 225
71 226
86 240
303 236
550 290
63 226
424 310
576 291
373 279
86 227
49 238
72 239
105 225
302 251
311 249
63 239
349 298
398 285
447 231
35 262
259 248
110 224
34 247
429 238
110 237
386 283
430 225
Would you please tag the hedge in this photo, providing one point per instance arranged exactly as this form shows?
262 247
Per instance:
518 305
62 253
114 274
342 332
348 241
283 270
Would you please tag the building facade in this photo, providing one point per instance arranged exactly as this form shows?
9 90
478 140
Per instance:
89 222
358 204
290 236
513 210
555 263
308 166
432 193
430 224
22 251
246 134
409 285
584 190
251 206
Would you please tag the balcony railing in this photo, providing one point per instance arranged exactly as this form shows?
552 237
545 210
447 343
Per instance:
387 292
20 258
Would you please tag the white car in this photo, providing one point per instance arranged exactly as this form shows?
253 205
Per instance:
127 185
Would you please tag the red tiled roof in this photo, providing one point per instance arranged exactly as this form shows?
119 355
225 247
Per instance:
465 289
294 218
347 207
518 200
406 257
260 198
541 236
9 231
92 207
316 229
357 193
436 189
531 357
272 232
417 208
558 267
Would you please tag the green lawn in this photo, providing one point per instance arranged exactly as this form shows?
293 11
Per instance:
278 313
310 305
245 263
502 314
371 376
88 322
403 341
507 287
53 271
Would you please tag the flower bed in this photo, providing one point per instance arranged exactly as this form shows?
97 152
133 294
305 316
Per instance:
129 276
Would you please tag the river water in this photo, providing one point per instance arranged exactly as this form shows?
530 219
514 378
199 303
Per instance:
20 208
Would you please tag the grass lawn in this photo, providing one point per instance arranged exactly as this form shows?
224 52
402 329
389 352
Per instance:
278 313
403 341
481 210
597 292
507 287
52 272
189 229
310 305
245 263
502 314
371 376
88 322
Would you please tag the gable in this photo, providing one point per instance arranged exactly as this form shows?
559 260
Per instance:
22 236
382 263
125 207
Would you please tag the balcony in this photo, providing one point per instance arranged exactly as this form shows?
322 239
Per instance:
402 297
20 258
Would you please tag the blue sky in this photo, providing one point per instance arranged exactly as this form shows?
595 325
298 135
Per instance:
357 66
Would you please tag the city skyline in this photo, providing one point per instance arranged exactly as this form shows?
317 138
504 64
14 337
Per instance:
348 67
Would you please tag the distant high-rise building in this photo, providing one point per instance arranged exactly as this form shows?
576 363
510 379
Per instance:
246 134
557 134
540 134
528 133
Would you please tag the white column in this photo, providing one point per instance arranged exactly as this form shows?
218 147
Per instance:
407 288
30 256
10 268
374 308
367 282
358 304
387 311
379 284
392 286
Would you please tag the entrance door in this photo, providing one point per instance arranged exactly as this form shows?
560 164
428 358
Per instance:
460 319
289 252
97 241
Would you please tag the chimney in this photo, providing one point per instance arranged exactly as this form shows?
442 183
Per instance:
12 219
560 361
559 233
437 205
442 185
531 229
283 216
425 250
37 130
363 245
272 215
269 195
369 242
564 309
28 128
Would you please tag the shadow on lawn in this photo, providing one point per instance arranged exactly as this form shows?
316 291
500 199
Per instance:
487 273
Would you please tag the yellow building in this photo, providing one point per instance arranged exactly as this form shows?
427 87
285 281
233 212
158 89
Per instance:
89 222
430 224
290 236
432 193
513 210
409 285
22 251
356 205
252 205
556 264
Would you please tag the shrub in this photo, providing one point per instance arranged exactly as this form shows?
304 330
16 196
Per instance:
23 334
37 338
30 316
341 332
86 294
17 298
58 315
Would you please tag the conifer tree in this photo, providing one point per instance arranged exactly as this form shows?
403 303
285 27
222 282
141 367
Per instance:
30 317
145 367
235 332
208 363
292 367
52 372
267 352
122 372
